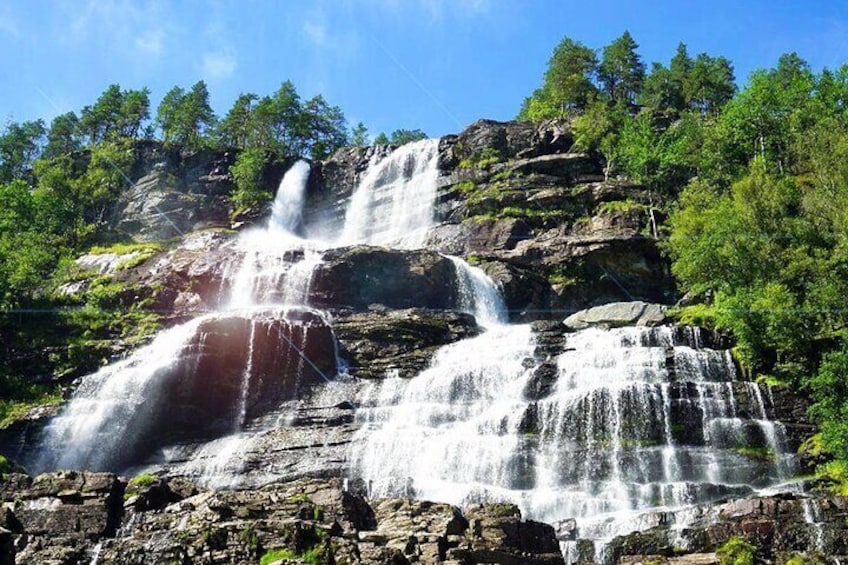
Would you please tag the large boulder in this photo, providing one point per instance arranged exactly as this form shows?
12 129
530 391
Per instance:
617 314
362 276
400 342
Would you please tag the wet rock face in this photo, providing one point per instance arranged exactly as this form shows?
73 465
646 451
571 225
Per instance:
63 517
174 193
398 343
780 527
361 276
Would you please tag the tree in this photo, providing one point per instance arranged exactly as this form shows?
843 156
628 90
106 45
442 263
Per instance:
359 135
621 72
323 128
277 121
567 86
381 139
237 129
134 111
98 121
404 136
62 137
19 145
185 117
661 92
709 84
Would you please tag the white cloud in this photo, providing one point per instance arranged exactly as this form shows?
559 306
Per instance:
219 65
316 33
146 23
152 42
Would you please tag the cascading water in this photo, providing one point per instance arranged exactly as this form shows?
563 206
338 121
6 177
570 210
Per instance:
394 202
112 410
619 423
638 419
105 424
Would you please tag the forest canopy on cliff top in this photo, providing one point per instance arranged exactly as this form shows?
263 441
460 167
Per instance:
754 182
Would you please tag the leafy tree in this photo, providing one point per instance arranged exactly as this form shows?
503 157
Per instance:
247 172
323 129
404 136
236 129
62 137
567 84
709 84
830 389
621 71
19 145
381 139
98 121
185 117
116 113
359 136
661 91
135 110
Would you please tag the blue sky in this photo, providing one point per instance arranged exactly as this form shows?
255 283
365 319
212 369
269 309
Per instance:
437 65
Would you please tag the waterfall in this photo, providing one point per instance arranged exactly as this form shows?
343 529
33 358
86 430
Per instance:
637 419
395 200
287 209
106 424
478 294
93 428
112 409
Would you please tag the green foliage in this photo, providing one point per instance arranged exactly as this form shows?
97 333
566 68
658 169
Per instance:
830 390
567 84
404 136
185 117
359 136
27 396
19 145
144 480
699 315
312 555
736 551
247 172
621 71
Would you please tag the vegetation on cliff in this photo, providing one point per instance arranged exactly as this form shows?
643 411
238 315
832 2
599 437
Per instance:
756 184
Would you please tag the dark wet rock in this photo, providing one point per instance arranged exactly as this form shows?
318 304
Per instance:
778 526
174 193
362 276
67 517
58 517
398 342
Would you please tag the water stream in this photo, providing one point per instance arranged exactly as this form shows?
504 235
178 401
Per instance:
620 423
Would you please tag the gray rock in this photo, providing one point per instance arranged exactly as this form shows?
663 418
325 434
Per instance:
398 343
618 314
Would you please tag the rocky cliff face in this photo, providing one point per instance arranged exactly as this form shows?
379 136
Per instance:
513 199
99 518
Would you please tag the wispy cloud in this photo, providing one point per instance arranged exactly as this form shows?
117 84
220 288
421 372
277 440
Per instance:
434 10
116 21
321 33
218 65
315 32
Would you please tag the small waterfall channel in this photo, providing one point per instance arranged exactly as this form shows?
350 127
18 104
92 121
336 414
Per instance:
616 425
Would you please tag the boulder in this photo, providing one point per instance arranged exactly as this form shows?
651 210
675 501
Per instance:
400 342
617 314
362 276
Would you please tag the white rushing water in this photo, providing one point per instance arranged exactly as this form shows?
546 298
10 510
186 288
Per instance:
618 424
637 419
394 202
106 420
111 409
